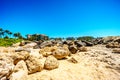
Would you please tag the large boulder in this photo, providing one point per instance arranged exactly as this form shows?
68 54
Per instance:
46 44
68 42
88 43
20 71
46 51
30 45
79 43
73 49
34 64
82 49
23 55
51 63
61 52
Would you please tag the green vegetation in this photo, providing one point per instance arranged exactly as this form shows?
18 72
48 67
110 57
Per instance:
7 38
86 38
8 42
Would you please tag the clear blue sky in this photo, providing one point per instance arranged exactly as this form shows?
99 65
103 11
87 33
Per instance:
61 18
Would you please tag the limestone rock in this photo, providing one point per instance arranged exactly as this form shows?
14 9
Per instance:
60 53
20 72
116 51
79 43
47 51
51 63
82 49
73 49
22 49
6 66
34 64
113 45
23 55
46 44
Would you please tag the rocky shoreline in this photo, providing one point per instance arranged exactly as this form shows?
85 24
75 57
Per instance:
98 59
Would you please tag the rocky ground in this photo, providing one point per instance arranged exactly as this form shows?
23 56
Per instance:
96 64
68 61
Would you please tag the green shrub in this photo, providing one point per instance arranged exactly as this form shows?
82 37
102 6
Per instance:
8 42
86 38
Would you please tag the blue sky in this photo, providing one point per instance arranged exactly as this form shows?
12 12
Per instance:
61 18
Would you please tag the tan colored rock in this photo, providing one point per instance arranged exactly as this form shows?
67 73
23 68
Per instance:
116 51
23 55
46 51
82 49
34 64
61 53
51 63
36 53
73 49
113 45
6 65
20 71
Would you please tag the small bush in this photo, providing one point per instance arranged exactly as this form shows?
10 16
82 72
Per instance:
9 42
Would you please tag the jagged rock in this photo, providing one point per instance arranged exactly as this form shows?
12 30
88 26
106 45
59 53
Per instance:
30 45
36 53
79 43
82 49
20 72
68 42
46 44
73 49
23 55
36 47
51 63
88 43
22 49
60 53
34 64
47 51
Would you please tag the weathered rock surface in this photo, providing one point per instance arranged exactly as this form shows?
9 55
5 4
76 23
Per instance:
47 51
46 44
60 53
82 49
51 63
34 64
113 45
22 49
116 51
20 71
6 65
23 55
98 63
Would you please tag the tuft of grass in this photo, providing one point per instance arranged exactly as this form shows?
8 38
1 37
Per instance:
9 42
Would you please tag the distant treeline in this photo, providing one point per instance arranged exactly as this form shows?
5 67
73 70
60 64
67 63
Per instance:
6 34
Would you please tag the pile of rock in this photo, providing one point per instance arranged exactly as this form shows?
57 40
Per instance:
112 41
23 61
18 65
